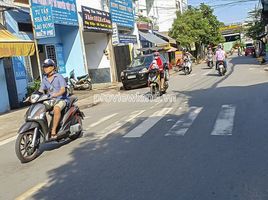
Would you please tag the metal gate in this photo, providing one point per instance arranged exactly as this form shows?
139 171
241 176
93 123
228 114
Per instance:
122 59
11 84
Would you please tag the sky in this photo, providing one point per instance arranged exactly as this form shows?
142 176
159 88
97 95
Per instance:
228 14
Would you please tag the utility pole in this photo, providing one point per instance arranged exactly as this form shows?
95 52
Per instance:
35 43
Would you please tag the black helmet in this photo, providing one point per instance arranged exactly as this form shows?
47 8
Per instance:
48 63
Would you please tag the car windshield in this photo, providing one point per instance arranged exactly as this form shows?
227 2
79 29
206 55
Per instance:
145 60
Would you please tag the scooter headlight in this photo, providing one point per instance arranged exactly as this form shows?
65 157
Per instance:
34 98
144 70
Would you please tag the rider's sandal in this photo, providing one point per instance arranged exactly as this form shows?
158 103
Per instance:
53 137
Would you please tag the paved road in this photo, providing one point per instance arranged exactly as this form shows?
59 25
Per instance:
211 143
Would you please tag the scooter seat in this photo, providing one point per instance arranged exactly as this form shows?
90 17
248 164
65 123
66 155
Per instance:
81 77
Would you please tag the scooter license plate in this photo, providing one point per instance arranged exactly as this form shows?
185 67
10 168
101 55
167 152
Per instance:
131 76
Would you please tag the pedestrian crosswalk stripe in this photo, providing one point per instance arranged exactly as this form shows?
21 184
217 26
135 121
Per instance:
141 129
225 121
117 125
182 125
102 120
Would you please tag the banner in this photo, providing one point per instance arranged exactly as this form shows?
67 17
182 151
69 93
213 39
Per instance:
43 22
63 11
96 20
127 39
122 13
60 58
19 68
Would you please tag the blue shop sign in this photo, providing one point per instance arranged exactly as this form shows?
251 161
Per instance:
63 11
122 13
60 58
19 68
43 22
127 39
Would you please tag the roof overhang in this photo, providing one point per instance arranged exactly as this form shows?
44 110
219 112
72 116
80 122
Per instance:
153 39
11 45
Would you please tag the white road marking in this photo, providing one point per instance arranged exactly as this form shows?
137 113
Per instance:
225 121
31 191
210 71
141 129
102 120
8 140
191 75
155 105
114 127
182 125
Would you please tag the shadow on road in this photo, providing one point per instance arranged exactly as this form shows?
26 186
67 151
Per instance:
197 166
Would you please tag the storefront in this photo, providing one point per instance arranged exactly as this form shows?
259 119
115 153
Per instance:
124 33
57 34
13 76
97 32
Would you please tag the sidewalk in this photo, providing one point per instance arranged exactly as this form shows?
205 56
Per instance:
11 121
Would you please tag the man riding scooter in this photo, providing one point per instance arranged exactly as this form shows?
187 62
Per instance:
158 61
221 57
210 57
55 85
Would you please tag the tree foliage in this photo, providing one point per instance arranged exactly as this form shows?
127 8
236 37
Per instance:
198 26
256 26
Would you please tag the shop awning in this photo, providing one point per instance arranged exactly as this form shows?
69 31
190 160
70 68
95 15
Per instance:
153 39
172 49
152 49
11 45
170 39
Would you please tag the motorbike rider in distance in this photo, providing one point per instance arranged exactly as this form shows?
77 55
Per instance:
221 56
55 85
209 55
157 62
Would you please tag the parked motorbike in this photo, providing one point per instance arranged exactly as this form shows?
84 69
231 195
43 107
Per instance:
80 82
37 130
221 68
210 61
187 66
154 82
70 88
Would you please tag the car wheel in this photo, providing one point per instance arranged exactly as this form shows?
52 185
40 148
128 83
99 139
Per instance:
126 87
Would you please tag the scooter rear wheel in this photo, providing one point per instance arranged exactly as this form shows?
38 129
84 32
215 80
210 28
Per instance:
24 151
77 119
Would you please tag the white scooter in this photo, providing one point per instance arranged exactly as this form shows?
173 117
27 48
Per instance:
187 66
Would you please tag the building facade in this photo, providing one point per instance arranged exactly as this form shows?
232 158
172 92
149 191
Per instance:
162 12
96 27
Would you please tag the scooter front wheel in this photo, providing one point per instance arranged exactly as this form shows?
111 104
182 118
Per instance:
23 149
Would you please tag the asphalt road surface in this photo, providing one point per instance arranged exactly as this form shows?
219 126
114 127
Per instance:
206 139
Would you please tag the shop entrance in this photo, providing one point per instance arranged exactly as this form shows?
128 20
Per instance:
11 84
122 59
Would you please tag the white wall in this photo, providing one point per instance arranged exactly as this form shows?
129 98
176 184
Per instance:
164 11
95 44
4 101
97 4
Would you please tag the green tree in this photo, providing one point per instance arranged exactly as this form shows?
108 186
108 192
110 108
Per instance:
255 27
197 26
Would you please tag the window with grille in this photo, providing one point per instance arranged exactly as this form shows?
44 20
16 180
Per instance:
51 53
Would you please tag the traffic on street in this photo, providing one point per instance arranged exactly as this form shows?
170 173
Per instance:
133 100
